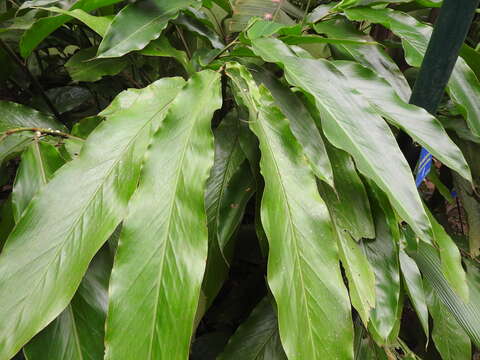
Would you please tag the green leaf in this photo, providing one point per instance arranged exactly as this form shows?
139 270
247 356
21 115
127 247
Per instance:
47 254
360 275
382 254
229 188
7 222
13 115
83 67
349 124
345 4
471 203
302 124
449 338
228 158
257 338
194 25
83 321
45 26
365 347
466 314
64 98
463 87
303 258
262 28
160 260
38 164
13 144
99 24
348 204
315 39
137 24
84 127
451 259
374 56
245 10
414 287
415 121
320 12
162 47
77 333
472 58
17 116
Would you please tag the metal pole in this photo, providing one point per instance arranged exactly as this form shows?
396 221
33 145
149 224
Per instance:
447 38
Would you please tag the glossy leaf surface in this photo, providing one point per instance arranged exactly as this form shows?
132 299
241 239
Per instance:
466 314
373 56
229 188
348 203
13 115
382 254
360 275
99 24
418 123
257 338
302 124
303 269
83 67
46 256
43 27
463 87
414 288
451 260
450 339
77 333
160 260
349 124
37 166
137 24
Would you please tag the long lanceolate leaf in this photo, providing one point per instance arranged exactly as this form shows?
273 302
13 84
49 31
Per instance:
45 26
382 254
421 125
302 124
137 24
303 270
77 333
349 123
348 204
463 87
37 166
450 339
229 188
372 56
466 314
257 338
160 260
47 254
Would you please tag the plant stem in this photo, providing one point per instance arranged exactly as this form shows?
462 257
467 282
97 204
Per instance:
230 44
40 130
34 80
184 42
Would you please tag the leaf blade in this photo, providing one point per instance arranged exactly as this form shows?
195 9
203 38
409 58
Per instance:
167 214
287 223
114 157
363 136
137 24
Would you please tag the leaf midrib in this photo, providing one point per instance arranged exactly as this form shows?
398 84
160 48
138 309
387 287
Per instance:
292 232
167 232
100 186
165 15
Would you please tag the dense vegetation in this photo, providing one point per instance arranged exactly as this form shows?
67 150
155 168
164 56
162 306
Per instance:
234 180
